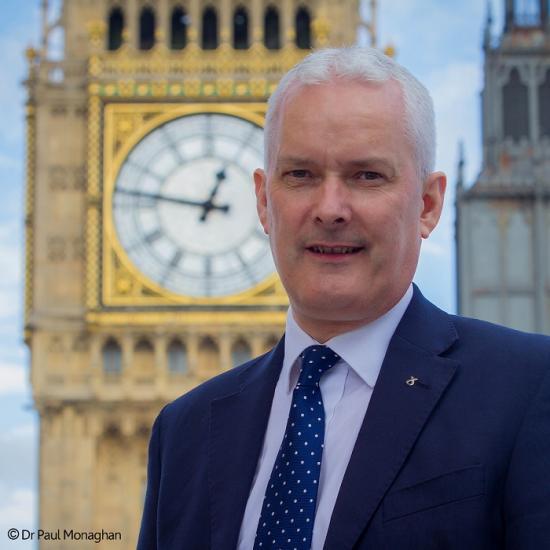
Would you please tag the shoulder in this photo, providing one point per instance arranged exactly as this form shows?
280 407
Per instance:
190 412
435 329
197 401
507 358
500 339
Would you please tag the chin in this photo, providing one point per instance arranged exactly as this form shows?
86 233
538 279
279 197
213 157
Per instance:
330 305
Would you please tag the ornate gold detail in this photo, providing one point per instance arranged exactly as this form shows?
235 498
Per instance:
127 88
321 30
225 87
94 88
31 54
122 284
195 64
96 32
29 213
209 319
209 89
192 87
125 125
142 89
241 89
389 50
258 87
159 89
93 193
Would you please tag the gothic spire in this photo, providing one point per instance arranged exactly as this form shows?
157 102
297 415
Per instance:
460 166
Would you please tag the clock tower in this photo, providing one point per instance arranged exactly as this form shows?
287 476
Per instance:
503 219
147 271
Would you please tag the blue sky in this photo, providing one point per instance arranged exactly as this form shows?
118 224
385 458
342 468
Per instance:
438 40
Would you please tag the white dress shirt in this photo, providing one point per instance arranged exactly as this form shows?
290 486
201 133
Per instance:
346 389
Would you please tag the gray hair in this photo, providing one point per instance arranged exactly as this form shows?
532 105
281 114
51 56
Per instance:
364 65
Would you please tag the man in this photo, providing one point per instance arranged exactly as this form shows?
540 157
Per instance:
379 421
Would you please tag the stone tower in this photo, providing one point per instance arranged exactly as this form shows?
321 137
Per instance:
503 220
146 270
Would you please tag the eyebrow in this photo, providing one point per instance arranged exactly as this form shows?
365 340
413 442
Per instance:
294 160
360 162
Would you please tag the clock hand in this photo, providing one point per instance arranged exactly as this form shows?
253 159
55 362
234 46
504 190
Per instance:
208 204
177 200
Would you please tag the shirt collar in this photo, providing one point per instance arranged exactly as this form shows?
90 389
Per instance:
363 349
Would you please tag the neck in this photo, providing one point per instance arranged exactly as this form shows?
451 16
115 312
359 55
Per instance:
322 330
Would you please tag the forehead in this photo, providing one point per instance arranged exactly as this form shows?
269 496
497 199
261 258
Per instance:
342 114
340 97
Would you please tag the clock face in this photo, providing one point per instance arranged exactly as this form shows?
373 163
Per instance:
185 210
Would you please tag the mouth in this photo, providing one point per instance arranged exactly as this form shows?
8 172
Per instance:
339 250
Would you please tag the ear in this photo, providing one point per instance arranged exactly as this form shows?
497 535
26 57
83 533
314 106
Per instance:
260 181
433 194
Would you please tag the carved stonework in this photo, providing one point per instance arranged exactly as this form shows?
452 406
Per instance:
503 218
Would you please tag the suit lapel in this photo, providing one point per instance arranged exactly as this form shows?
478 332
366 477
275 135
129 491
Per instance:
395 417
237 427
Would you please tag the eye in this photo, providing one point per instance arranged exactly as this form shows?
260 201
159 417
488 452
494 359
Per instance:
299 174
368 175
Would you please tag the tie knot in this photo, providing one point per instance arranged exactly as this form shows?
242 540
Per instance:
316 360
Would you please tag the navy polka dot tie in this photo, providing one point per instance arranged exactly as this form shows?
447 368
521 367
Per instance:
288 510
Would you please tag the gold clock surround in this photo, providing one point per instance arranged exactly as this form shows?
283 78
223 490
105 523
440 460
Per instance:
121 283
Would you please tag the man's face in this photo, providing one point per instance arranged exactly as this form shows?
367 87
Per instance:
343 204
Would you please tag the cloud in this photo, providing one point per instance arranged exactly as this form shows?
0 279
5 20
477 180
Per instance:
17 509
455 83
18 466
19 455
433 248
11 298
455 90
9 162
13 379
14 39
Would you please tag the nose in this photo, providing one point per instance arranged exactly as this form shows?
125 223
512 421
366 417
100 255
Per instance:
332 203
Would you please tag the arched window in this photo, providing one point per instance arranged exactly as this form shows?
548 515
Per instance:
178 29
115 28
240 353
272 31
146 29
240 29
544 106
515 107
527 13
303 28
209 29
177 357
111 355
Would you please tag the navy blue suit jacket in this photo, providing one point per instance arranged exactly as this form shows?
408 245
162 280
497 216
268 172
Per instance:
458 461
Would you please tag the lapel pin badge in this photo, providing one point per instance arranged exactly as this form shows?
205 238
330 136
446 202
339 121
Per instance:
414 381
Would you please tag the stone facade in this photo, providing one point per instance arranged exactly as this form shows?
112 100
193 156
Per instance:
503 220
